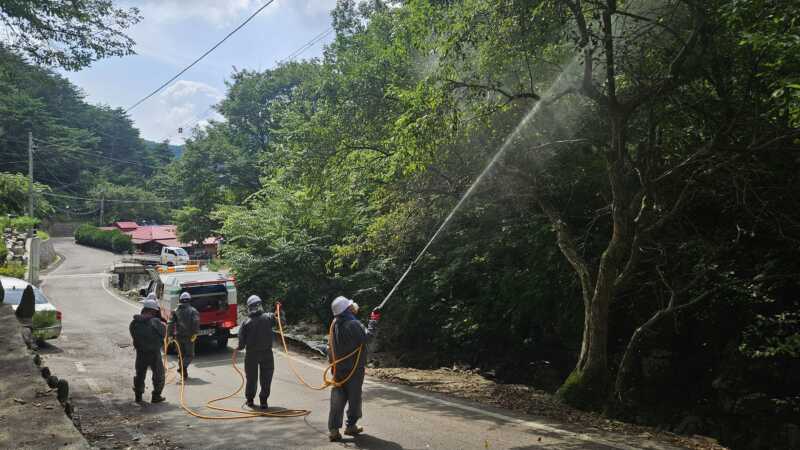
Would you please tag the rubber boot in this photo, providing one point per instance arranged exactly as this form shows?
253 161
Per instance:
250 404
334 436
138 397
156 398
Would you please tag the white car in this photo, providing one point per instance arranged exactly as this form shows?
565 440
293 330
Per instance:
46 323
174 256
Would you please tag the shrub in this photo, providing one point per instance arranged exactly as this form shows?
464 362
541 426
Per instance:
113 240
3 251
14 270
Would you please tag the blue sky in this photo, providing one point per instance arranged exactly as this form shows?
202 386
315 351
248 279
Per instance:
175 32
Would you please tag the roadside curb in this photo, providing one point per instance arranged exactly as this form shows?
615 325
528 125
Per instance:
52 267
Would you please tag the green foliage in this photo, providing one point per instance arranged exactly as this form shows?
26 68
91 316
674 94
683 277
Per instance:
3 250
774 336
67 34
113 240
14 195
124 202
14 270
79 146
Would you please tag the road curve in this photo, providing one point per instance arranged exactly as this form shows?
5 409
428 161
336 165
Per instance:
95 355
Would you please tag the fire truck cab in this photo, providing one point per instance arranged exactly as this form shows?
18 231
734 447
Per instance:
213 295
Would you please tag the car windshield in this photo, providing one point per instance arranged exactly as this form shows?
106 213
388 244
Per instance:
181 252
14 296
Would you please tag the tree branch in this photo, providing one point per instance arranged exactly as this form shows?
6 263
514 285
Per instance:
485 88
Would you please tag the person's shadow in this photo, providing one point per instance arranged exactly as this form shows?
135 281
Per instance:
367 441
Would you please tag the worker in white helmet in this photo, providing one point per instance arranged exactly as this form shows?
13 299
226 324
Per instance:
184 326
255 336
348 335
147 331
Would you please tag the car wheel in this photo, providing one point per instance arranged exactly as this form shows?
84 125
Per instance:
222 343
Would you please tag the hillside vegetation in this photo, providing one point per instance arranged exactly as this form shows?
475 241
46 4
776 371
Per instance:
637 240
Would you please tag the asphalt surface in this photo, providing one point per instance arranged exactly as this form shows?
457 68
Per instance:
94 353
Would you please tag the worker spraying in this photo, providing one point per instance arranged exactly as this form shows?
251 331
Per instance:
147 331
348 337
255 336
183 327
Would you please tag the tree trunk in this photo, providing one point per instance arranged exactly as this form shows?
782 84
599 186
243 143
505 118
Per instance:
587 385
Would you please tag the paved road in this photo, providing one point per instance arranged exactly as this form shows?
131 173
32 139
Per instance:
95 355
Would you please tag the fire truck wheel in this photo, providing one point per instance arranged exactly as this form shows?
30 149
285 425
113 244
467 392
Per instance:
222 343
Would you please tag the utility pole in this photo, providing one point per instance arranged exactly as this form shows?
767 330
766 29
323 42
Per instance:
30 179
102 207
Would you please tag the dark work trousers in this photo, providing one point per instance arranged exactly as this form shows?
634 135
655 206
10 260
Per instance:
187 352
349 394
151 360
255 360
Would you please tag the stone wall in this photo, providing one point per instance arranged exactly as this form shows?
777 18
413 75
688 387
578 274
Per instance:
33 412
15 243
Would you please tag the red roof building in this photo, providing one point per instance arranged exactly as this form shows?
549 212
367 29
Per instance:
150 238
126 226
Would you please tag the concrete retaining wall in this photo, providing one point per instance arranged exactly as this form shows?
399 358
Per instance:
32 416
47 254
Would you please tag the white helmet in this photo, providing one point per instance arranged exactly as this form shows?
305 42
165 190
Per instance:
150 303
185 297
340 305
253 302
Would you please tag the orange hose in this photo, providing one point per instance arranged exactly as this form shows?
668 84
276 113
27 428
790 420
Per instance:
331 367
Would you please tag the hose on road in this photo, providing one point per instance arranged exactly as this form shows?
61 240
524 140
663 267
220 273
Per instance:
331 369
327 381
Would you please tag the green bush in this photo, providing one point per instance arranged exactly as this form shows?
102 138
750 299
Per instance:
113 240
14 270
3 251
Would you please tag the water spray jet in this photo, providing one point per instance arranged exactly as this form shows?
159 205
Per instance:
547 98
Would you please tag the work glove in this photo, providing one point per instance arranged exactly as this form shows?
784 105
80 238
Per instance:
375 315
194 337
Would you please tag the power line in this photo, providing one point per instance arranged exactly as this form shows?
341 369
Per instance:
308 45
297 52
107 200
75 150
166 83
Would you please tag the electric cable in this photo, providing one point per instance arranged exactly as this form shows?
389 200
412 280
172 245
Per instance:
200 58
291 56
49 145
107 200
308 45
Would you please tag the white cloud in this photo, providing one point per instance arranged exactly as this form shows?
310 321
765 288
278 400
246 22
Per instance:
221 13
186 88
184 104
214 12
